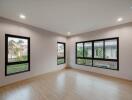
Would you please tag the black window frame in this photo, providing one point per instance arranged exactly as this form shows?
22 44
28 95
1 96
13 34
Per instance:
100 59
64 53
18 62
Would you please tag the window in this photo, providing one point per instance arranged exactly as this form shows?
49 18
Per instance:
105 64
61 53
80 61
17 54
88 49
101 53
80 50
111 49
98 49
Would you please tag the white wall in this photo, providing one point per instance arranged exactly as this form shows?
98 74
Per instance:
43 50
124 32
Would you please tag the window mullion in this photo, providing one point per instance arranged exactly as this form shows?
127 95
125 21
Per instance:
92 52
104 49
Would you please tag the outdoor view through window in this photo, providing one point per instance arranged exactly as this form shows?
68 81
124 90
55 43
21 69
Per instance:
17 49
101 53
18 54
61 53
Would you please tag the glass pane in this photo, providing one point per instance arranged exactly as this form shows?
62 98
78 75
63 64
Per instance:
81 61
88 62
17 49
60 61
111 49
79 49
98 49
105 64
88 49
60 50
17 68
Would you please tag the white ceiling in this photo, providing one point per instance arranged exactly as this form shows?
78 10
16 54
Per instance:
62 16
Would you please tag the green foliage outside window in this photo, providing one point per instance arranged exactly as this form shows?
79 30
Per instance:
60 61
80 50
99 53
88 49
80 61
17 68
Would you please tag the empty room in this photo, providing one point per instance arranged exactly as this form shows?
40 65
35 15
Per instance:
65 49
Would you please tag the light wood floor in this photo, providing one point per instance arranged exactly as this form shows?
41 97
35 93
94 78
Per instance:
68 84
